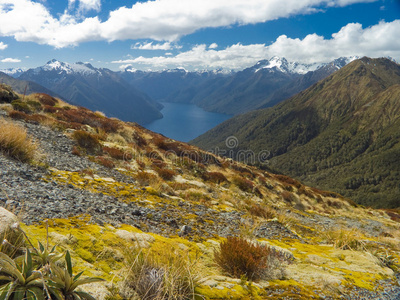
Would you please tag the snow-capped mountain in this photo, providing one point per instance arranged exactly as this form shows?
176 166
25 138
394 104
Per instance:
66 68
13 72
265 84
281 64
96 89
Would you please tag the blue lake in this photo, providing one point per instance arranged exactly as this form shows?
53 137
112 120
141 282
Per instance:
184 122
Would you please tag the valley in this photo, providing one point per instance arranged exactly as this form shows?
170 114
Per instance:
341 134
185 121
123 199
109 191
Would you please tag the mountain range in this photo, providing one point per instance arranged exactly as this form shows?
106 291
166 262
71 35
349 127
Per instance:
263 85
96 89
340 134
134 95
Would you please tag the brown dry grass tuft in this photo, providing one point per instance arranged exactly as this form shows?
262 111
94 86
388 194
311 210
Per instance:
165 174
241 258
243 183
15 142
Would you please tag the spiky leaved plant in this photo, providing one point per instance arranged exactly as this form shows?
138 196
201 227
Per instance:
62 283
42 256
21 281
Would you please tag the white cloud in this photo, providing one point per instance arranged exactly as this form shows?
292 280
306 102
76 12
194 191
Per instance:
347 2
162 20
213 46
376 41
85 5
233 57
10 60
3 46
151 46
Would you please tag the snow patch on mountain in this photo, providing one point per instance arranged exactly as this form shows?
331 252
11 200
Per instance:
281 64
13 72
66 68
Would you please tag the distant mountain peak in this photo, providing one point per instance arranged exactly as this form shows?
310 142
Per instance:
13 72
281 64
63 67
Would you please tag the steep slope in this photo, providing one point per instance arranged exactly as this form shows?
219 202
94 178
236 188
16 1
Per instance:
134 207
340 134
96 89
23 86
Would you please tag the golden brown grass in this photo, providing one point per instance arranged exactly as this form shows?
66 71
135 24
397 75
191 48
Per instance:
167 274
15 142
346 239
241 258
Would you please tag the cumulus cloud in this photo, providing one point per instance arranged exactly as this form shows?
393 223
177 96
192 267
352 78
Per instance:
213 46
151 46
375 41
3 46
233 57
85 5
162 20
352 39
10 60
30 21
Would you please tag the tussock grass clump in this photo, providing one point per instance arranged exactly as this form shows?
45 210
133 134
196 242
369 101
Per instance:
145 178
166 174
216 177
240 258
21 106
15 142
346 239
104 161
46 99
87 141
170 274
288 180
118 153
261 211
242 183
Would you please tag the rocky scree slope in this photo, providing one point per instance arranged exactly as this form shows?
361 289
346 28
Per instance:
104 186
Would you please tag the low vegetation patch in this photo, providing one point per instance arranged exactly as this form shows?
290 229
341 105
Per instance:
346 239
240 258
35 274
87 141
7 95
15 142
167 275
242 183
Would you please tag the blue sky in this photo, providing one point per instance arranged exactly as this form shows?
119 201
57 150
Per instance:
194 34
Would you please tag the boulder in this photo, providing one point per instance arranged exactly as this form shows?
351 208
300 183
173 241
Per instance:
11 237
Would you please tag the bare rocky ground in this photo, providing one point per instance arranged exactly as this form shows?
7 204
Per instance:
27 191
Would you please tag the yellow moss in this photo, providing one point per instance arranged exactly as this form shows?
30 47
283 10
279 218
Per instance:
221 292
85 255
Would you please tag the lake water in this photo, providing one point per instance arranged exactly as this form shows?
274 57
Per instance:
184 122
